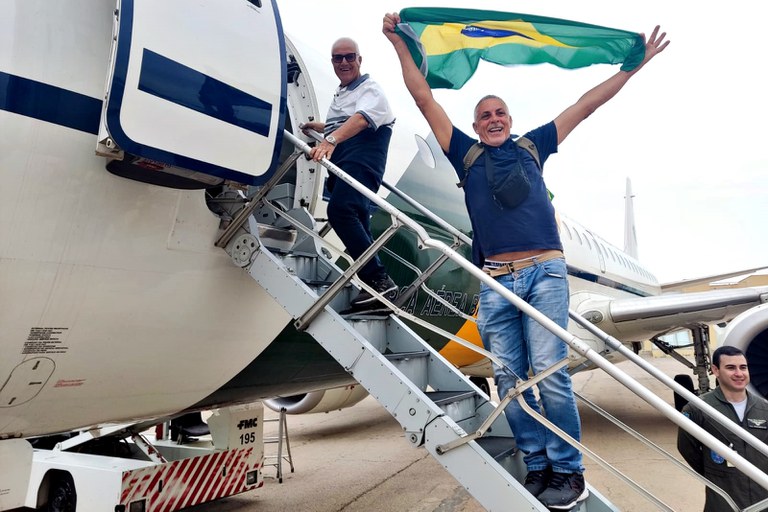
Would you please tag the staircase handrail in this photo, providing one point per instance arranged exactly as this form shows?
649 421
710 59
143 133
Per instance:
693 399
578 345
413 203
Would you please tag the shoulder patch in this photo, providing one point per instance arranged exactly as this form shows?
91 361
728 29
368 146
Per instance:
716 458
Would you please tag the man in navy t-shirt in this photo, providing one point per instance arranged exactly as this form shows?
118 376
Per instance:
519 245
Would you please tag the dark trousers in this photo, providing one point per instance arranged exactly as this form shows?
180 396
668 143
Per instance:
349 215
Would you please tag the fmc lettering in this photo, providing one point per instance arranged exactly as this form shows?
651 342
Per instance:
246 424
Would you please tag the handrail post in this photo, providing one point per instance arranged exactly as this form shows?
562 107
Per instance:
304 320
246 212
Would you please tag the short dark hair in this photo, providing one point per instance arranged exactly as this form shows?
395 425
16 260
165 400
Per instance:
725 350
489 97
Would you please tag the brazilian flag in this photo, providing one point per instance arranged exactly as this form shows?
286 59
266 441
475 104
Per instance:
447 44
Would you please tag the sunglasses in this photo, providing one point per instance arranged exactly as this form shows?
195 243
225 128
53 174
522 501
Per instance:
339 57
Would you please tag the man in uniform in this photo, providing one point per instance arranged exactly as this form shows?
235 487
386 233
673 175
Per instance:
730 397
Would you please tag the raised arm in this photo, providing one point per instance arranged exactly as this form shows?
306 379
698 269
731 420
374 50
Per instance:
417 85
600 94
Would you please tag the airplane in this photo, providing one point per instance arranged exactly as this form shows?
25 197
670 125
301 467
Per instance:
130 138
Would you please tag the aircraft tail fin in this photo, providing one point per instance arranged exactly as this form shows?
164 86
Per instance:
630 235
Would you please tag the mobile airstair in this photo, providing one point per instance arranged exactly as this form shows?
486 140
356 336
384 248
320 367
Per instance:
439 408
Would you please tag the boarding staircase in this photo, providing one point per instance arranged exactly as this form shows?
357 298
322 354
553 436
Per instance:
437 406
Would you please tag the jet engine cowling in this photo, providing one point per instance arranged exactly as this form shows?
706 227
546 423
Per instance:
318 401
749 332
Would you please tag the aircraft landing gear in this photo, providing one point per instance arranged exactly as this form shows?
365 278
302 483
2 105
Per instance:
701 366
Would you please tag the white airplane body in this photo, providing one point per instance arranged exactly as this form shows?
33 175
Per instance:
115 304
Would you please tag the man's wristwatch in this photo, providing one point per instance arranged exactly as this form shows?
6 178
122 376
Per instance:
330 139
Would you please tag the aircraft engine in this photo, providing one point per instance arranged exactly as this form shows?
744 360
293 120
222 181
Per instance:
318 401
749 332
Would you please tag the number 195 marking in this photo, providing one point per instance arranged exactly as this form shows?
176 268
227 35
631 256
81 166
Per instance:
248 438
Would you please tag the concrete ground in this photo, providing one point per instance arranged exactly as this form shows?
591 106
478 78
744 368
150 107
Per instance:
358 460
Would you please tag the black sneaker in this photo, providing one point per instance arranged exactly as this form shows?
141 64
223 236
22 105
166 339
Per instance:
536 481
385 286
565 490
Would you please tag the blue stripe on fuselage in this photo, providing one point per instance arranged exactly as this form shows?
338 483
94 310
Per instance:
177 83
49 103
159 76
603 281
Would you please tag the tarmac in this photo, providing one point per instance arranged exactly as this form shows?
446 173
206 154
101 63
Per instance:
357 459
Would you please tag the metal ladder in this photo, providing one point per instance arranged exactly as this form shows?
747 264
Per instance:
436 405
280 439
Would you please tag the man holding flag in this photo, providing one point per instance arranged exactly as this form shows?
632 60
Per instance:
517 242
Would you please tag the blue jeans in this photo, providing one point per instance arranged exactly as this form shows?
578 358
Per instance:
522 345
349 214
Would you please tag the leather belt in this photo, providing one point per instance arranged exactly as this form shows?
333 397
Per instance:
513 266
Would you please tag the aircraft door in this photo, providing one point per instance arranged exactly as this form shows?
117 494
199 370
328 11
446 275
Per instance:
197 86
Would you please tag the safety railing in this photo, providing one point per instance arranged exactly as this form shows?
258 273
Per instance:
400 220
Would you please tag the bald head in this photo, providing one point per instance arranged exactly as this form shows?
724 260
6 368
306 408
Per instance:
346 42
346 59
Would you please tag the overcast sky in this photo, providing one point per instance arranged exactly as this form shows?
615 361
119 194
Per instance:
687 129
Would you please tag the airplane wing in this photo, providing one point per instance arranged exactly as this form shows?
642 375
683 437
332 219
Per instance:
687 283
642 317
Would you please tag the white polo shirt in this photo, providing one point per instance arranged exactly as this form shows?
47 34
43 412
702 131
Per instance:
364 96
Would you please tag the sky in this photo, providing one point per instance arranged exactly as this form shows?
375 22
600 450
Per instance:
686 130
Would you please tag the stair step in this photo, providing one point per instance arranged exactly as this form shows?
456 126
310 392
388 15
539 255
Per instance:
400 356
498 447
446 397
371 314
413 365
458 405
279 239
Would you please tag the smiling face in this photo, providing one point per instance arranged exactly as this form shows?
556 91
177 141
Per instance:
732 374
347 71
492 121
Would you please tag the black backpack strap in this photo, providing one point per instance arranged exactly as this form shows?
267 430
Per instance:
474 151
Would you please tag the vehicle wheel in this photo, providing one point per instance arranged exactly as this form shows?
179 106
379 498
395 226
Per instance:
687 382
482 383
61 495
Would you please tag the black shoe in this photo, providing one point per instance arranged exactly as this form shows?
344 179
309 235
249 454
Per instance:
565 490
385 286
537 481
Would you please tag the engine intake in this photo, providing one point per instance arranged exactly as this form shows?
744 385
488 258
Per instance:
749 332
318 401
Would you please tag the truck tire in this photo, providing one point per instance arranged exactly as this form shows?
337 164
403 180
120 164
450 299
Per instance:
62 496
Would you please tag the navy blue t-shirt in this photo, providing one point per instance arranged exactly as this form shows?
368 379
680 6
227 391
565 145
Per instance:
529 226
